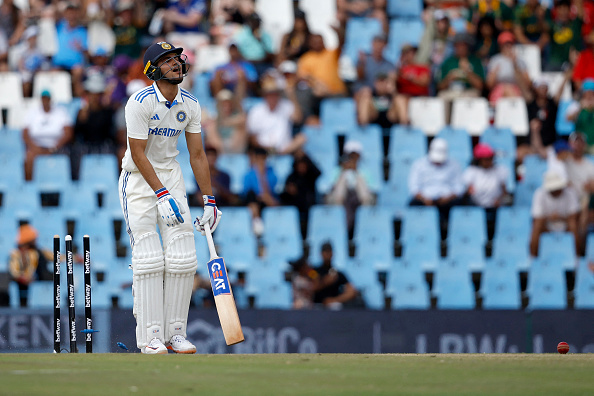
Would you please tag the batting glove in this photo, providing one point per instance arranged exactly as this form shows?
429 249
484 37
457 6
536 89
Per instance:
168 207
212 215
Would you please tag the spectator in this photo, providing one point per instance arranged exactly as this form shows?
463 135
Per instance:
11 22
580 171
486 39
72 46
566 37
556 157
351 185
436 180
227 132
332 288
437 41
532 24
485 181
130 20
412 79
117 82
370 65
269 123
231 11
377 105
300 187
584 65
184 16
508 75
254 44
303 279
555 207
462 74
28 262
317 71
296 42
237 75
258 187
48 130
30 61
583 113
219 180
500 12
3 53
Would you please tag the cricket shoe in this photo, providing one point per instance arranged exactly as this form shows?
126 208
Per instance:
179 344
155 347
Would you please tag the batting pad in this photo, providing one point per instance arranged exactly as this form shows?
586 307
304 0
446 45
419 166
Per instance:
148 266
180 267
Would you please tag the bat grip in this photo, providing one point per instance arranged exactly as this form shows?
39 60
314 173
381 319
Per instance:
211 245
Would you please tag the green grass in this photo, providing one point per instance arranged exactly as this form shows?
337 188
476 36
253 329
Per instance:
320 374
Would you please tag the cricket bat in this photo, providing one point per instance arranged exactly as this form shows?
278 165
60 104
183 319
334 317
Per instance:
223 295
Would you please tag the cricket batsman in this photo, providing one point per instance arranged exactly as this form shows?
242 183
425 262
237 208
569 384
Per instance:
152 192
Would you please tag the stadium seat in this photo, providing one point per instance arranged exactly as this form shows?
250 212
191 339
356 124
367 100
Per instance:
125 298
500 285
405 8
407 287
513 220
563 125
59 83
470 114
402 31
11 82
7 238
420 221
406 142
188 175
41 294
339 242
274 296
49 222
277 18
12 143
321 146
51 173
423 251
17 112
524 193
514 247
100 229
590 246
373 221
209 57
372 159
236 165
12 173
468 222
468 252
263 273
546 289
427 114
453 286
235 239
459 145
400 170
21 203
201 88
14 295
584 286
359 35
512 113
394 196
282 166
361 274
558 246
282 234
502 140
99 172
534 169
338 115
530 55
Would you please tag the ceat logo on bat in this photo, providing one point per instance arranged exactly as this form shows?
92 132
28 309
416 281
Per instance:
218 277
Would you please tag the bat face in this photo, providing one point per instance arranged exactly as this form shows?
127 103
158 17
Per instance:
218 277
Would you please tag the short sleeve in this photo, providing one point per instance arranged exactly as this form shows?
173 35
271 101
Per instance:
538 204
137 118
194 125
468 176
251 121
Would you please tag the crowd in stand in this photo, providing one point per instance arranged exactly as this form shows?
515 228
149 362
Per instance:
467 49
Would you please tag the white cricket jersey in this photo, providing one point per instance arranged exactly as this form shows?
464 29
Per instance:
151 117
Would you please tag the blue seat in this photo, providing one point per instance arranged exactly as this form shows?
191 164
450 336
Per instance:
321 146
274 296
52 173
584 286
12 173
188 175
14 295
236 165
41 294
23 202
453 286
590 246
468 252
514 247
422 250
338 114
363 276
405 8
262 273
402 31
558 246
339 242
502 140
371 162
327 223
282 166
79 200
100 229
7 237
394 196
359 35
459 144
534 169
400 170
407 287
406 142
49 222
420 221
562 124
282 232
373 221
99 172
500 285
468 222
201 88
524 193
125 298
546 292
513 220
235 239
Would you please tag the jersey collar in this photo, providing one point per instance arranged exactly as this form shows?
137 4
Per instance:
178 98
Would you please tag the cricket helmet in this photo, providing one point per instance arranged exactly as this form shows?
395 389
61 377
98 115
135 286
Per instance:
158 51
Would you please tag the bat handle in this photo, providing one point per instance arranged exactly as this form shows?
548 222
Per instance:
211 245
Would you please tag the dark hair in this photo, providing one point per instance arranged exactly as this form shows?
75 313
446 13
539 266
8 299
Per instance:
560 3
488 20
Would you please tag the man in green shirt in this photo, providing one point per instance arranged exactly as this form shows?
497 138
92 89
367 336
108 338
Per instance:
461 74
532 24
584 114
565 34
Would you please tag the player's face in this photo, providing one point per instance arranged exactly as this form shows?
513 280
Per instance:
171 69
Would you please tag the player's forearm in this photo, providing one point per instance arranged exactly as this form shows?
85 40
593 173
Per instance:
201 171
146 170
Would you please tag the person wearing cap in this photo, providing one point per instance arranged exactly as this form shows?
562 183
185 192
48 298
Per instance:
566 34
332 288
255 44
412 79
582 113
237 75
226 132
28 263
507 75
484 180
47 130
436 180
153 194
555 208
270 123
296 42
350 186
462 74
532 23
184 16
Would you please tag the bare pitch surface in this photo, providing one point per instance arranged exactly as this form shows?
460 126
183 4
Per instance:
294 374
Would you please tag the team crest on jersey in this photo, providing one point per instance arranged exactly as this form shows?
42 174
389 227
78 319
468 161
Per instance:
165 45
181 116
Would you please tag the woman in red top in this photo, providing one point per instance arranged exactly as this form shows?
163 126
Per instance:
584 67
412 79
